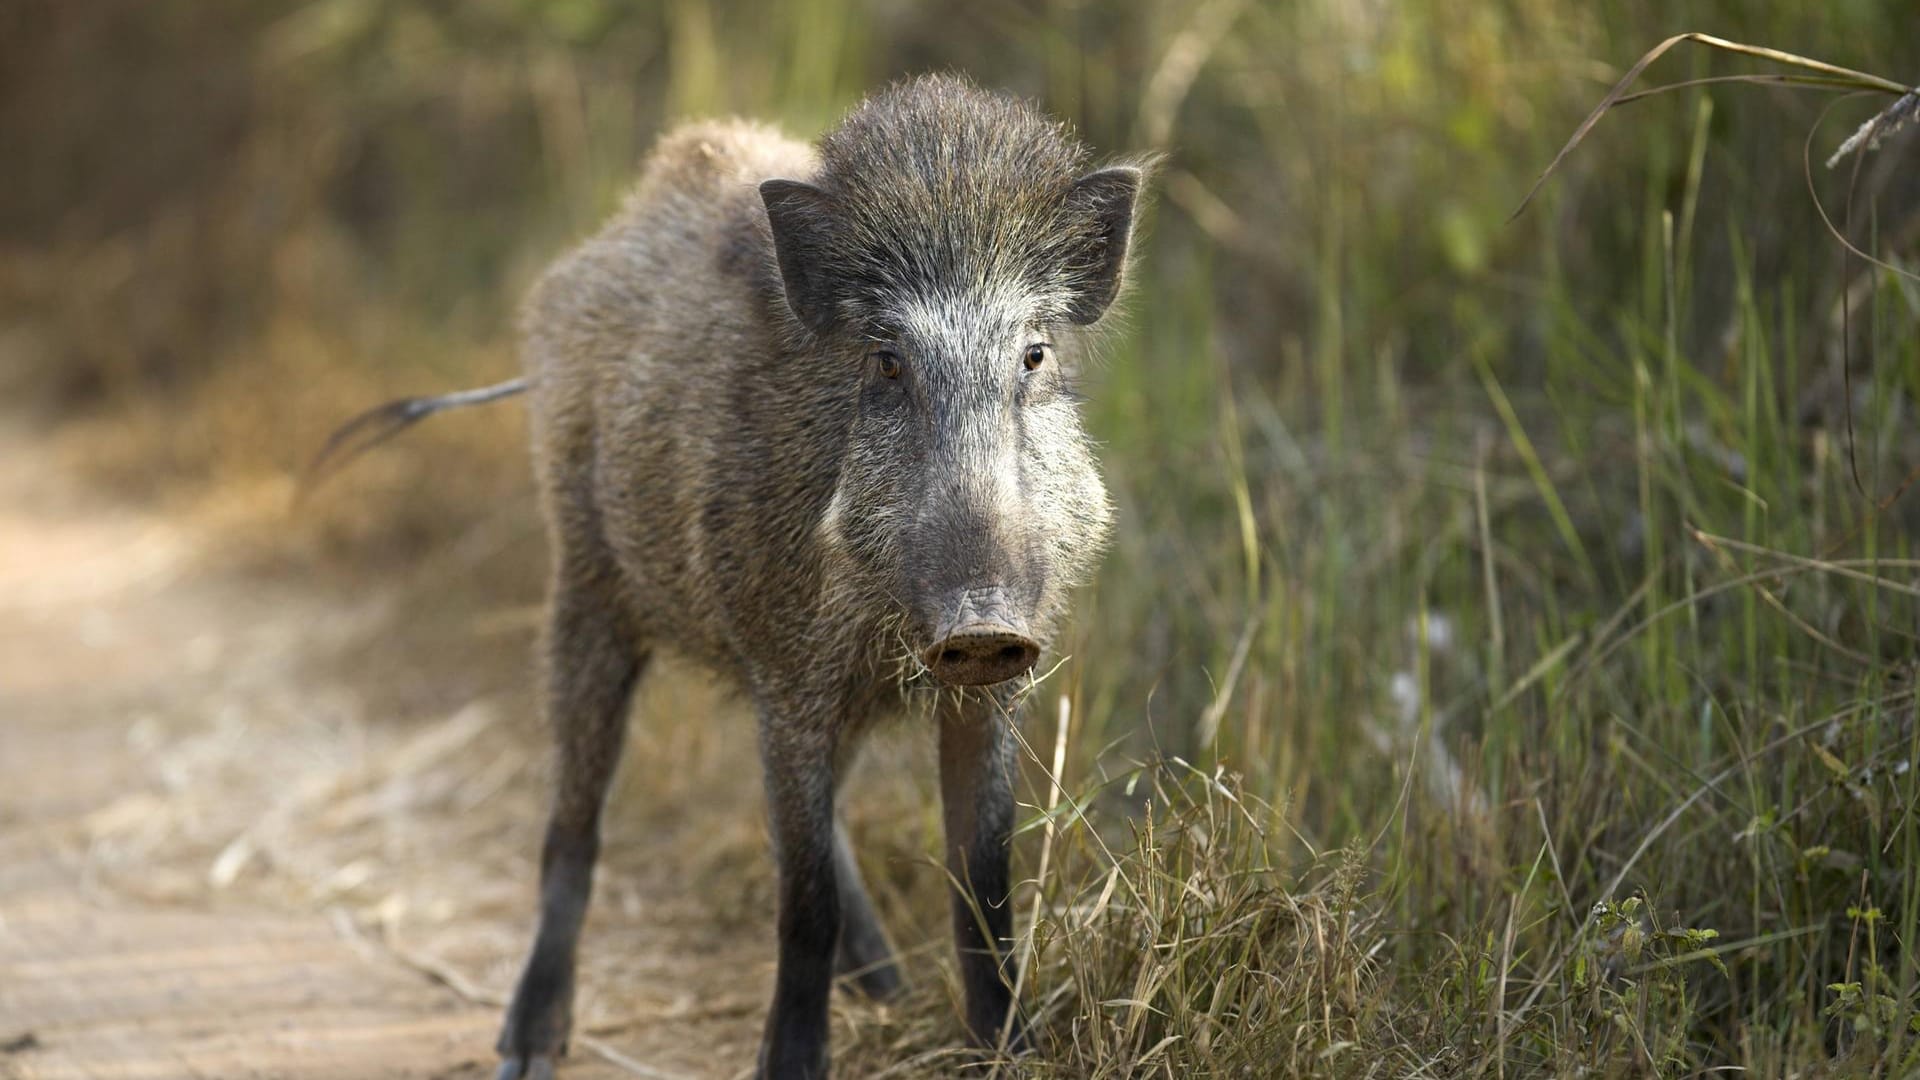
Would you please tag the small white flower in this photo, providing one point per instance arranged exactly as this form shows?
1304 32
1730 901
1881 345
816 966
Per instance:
1882 124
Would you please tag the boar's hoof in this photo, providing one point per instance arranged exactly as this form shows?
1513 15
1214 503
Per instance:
537 1067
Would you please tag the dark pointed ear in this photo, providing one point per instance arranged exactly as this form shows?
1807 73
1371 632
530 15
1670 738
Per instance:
1107 197
802 220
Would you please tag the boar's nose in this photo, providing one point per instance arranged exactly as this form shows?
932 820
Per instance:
980 654
981 642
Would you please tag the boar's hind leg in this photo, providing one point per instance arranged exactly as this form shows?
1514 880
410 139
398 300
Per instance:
592 663
976 795
864 954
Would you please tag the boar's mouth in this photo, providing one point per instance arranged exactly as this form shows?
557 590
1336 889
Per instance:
981 640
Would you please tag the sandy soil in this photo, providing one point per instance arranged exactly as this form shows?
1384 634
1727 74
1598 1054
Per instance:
254 826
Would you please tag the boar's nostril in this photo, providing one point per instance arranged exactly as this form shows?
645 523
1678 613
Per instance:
980 654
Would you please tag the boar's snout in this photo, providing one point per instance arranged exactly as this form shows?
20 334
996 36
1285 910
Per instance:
981 641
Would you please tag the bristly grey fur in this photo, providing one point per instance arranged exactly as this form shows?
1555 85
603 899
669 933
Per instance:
934 184
804 417
940 186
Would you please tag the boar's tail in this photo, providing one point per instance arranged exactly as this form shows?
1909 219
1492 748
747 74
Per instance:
383 422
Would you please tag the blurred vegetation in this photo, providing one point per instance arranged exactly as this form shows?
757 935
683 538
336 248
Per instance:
1534 600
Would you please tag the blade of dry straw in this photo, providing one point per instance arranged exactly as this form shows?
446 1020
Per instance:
1811 82
1841 76
1046 856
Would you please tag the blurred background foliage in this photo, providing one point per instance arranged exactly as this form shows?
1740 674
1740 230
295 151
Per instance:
1418 501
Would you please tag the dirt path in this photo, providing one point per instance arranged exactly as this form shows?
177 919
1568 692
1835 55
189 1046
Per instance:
219 860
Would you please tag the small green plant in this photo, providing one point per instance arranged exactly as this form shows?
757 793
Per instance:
1631 976
1877 1020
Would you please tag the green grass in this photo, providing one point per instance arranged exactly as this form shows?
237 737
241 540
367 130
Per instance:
1643 806
1499 670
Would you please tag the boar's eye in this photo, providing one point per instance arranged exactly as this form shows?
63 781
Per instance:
889 363
1036 355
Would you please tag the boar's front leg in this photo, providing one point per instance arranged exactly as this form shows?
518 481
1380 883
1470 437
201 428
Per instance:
797 753
592 663
976 794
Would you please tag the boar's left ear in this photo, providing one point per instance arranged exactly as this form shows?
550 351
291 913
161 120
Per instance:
1108 197
802 220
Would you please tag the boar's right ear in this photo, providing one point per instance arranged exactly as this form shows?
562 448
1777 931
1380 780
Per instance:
802 220
1105 201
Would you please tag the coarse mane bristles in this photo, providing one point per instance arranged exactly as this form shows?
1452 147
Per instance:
940 185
